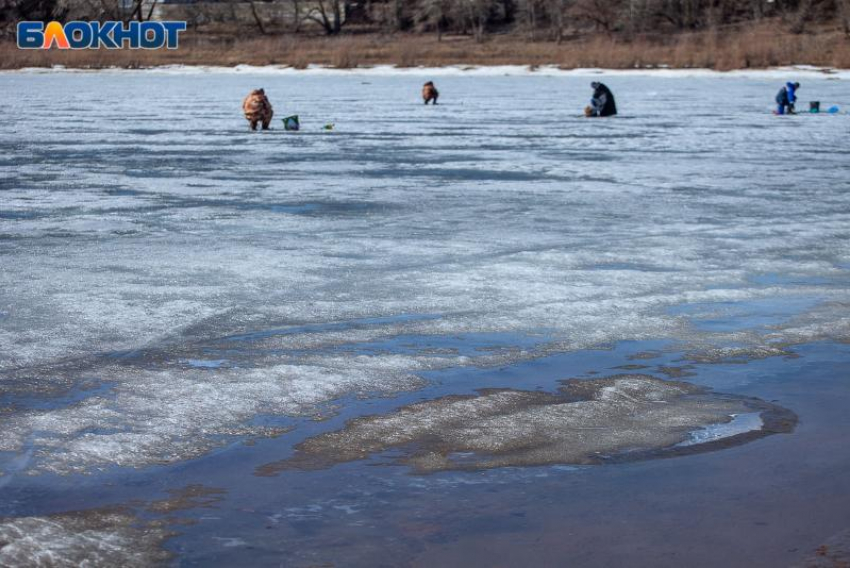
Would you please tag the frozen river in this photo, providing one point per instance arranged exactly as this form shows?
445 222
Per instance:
173 285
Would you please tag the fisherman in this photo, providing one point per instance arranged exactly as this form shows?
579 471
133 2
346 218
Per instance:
258 109
786 97
602 103
429 92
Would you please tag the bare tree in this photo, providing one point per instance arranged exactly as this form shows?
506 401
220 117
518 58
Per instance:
296 15
716 13
603 13
433 14
643 16
530 13
478 12
557 16
257 19
758 8
13 11
843 13
329 14
683 14
137 12
798 23
398 15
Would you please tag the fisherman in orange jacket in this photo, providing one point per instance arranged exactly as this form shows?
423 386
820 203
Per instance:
258 109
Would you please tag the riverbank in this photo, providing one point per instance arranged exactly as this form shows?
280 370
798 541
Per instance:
723 51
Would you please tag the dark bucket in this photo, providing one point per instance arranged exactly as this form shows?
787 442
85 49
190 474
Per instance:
814 106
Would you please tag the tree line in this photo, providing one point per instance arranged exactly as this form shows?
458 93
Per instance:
540 19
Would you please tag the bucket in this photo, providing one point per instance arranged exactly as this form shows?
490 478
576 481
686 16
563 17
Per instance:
814 106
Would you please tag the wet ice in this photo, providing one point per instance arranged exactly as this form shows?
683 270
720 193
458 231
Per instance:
156 224
588 422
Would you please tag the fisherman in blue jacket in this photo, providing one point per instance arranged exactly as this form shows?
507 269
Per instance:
786 97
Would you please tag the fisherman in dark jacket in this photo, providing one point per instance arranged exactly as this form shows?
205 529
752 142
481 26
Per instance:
786 97
602 103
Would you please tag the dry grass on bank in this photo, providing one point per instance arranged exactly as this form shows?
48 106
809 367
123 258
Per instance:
753 48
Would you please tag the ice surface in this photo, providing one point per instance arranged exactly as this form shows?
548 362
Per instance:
162 417
598 419
91 538
740 424
142 227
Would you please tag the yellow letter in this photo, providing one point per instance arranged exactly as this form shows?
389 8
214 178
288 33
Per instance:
55 32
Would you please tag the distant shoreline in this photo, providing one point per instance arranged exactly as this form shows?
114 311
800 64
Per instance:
747 49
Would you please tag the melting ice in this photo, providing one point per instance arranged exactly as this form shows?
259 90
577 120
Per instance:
144 229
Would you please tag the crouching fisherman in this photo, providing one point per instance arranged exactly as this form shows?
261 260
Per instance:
786 98
602 103
258 109
429 92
